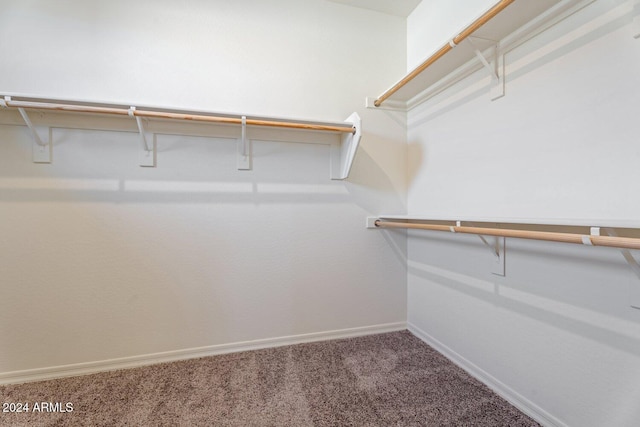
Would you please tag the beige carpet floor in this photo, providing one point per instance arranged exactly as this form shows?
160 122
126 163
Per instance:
380 380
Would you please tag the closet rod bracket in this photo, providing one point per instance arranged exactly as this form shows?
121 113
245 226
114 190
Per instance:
497 247
147 152
41 146
495 67
628 257
343 152
244 158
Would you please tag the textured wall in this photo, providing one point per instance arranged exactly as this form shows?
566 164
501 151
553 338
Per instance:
103 259
557 333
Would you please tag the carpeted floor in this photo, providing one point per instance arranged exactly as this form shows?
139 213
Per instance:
380 380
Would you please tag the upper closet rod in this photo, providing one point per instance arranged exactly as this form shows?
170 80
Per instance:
444 49
582 239
177 116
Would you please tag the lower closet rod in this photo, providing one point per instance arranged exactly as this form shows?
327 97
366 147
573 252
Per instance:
582 239
175 116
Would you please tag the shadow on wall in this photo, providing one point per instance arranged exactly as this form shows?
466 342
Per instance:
594 22
587 26
366 179
29 190
416 159
183 245
100 167
585 291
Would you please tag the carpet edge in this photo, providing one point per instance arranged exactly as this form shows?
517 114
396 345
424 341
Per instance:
501 389
86 368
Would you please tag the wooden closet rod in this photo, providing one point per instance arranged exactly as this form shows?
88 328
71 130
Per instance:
582 239
175 116
501 5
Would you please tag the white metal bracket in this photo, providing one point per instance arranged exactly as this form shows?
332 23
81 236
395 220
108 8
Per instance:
497 245
495 68
636 20
498 248
344 152
633 264
244 156
147 152
41 145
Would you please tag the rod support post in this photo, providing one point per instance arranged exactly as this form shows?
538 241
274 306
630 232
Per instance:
243 155
41 147
147 152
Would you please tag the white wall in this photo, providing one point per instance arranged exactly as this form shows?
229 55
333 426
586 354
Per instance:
102 259
557 334
434 22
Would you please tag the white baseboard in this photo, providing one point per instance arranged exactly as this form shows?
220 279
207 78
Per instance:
41 374
503 390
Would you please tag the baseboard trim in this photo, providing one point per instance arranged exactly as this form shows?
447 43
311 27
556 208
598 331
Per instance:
522 403
76 369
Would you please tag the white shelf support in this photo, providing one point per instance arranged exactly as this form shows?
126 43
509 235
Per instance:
521 21
343 153
244 157
497 248
147 153
497 245
499 251
495 68
41 146
633 264
636 20
343 138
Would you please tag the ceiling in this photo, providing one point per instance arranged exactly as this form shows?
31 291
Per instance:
393 7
